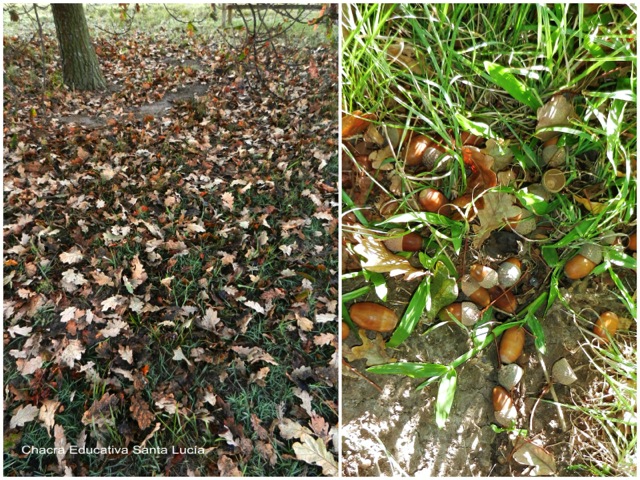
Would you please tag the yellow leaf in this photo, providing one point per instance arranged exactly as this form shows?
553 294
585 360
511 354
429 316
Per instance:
593 207
374 351
314 451
380 259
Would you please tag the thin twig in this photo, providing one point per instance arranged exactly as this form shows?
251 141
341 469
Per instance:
44 64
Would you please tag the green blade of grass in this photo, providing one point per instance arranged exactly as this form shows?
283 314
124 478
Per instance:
446 394
502 77
412 315
410 369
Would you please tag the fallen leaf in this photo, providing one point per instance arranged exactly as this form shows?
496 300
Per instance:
380 259
290 429
25 415
374 351
47 413
593 207
315 452
140 412
528 453
72 256
497 209
482 176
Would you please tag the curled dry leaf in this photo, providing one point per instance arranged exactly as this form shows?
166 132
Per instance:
380 259
25 415
482 176
140 412
406 56
528 453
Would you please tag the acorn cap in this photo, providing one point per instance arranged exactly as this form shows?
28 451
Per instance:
553 180
591 252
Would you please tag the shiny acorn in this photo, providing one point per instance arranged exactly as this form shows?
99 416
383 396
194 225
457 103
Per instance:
509 272
511 344
465 312
411 242
584 262
486 277
633 242
434 201
504 409
503 300
606 325
372 316
418 147
472 289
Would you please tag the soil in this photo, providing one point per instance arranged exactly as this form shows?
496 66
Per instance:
395 433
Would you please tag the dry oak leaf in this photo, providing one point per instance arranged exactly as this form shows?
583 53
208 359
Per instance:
227 467
259 376
380 259
72 256
100 412
497 209
254 354
47 413
140 412
138 275
528 453
25 415
482 175
227 200
374 351
72 352
315 452
290 429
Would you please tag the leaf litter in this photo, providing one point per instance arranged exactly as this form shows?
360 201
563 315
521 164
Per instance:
136 237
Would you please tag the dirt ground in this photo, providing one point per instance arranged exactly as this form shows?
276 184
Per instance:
395 433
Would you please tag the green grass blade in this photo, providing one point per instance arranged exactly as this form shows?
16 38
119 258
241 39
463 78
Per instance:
409 369
502 77
446 393
412 315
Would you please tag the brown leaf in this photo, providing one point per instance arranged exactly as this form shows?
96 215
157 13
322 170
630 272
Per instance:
497 208
482 176
379 259
374 351
266 451
140 412
100 412
315 452
528 453
228 467
259 429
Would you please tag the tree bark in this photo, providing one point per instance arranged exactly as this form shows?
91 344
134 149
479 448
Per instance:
80 66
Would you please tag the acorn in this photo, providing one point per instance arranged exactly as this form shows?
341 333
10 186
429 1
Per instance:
476 293
511 344
345 330
465 312
416 149
509 272
462 202
633 239
510 375
606 325
563 373
504 409
584 262
411 242
432 200
486 277
372 316
503 300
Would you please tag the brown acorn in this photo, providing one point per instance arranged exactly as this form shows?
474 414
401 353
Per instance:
465 312
473 290
633 240
503 300
486 277
606 325
504 409
584 262
511 344
372 316
411 242
509 272
432 200
416 149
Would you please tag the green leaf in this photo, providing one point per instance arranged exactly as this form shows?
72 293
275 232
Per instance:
347 297
433 293
409 369
476 128
379 283
502 77
412 314
446 393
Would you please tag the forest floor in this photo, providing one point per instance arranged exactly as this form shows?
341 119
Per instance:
170 260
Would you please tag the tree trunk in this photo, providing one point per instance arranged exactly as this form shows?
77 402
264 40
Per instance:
80 67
